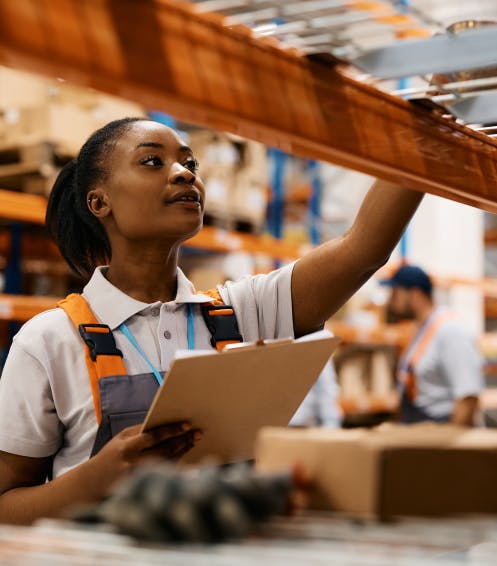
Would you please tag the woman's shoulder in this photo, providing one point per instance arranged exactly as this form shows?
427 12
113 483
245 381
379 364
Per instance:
51 326
261 282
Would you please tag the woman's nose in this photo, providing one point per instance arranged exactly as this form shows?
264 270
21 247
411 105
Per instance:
181 174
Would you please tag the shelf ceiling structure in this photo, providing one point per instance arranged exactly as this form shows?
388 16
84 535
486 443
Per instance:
388 40
377 86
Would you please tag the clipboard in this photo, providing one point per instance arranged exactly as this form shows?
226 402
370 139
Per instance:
230 395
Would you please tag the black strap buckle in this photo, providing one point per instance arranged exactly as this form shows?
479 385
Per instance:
99 343
223 327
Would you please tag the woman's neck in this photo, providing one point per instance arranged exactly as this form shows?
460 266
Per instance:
147 277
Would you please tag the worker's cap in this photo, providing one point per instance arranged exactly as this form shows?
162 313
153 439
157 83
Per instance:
410 277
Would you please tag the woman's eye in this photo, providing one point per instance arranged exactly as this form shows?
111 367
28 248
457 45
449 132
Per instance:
152 161
192 165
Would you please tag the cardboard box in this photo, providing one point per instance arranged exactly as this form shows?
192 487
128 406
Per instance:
64 124
235 174
23 89
393 470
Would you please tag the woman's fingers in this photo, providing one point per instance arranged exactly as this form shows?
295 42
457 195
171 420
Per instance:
136 441
175 447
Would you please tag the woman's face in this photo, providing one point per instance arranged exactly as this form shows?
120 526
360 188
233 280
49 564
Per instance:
152 185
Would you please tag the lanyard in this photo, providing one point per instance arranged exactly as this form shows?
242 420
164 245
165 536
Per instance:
190 331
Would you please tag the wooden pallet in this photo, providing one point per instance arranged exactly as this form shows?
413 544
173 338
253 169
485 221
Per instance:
29 168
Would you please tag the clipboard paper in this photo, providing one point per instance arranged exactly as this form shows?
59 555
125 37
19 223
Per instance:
230 395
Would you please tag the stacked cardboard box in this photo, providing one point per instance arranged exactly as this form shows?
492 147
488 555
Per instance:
38 113
424 470
235 173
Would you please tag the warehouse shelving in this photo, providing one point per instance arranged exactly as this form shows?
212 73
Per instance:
31 208
328 116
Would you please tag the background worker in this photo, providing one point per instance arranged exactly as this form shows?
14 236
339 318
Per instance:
440 372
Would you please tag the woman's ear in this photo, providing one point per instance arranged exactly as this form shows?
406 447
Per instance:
98 203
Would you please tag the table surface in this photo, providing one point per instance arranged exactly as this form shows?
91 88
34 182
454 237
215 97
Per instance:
310 539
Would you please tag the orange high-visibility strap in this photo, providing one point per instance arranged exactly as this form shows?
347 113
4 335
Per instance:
214 309
215 296
409 377
78 310
104 365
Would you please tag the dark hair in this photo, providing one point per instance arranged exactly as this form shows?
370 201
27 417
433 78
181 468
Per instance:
78 234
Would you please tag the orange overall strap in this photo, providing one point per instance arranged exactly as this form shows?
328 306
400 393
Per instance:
220 320
409 376
99 364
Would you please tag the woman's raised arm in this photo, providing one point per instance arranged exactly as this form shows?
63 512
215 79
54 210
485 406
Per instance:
327 277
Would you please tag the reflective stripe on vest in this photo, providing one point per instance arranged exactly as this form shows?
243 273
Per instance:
102 357
408 376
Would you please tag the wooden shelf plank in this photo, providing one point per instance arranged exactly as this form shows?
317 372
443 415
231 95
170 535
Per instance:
166 56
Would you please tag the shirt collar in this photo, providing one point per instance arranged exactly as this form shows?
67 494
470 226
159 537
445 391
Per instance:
186 291
113 307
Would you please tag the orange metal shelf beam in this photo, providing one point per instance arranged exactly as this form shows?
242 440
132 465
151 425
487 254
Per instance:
216 239
30 208
22 207
166 56
381 334
24 307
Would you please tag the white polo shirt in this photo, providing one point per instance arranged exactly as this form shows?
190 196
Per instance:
450 369
46 405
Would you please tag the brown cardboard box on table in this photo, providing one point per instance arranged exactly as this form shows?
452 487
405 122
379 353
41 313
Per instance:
425 469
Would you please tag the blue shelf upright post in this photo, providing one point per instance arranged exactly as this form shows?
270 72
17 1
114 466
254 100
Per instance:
314 211
278 160
13 280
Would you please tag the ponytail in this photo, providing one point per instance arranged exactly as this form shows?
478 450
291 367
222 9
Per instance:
79 235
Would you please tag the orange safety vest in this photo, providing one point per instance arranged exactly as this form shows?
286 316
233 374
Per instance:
104 359
408 375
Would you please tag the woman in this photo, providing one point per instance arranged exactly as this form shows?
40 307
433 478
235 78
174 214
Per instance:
129 200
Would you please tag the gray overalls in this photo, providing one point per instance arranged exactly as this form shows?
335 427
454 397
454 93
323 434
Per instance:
123 400
410 413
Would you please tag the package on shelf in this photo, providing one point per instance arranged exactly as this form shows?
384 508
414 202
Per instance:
109 108
250 192
235 175
66 126
393 470
204 278
28 168
18 89
367 379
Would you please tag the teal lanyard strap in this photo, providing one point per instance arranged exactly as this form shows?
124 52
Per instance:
190 330
135 344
